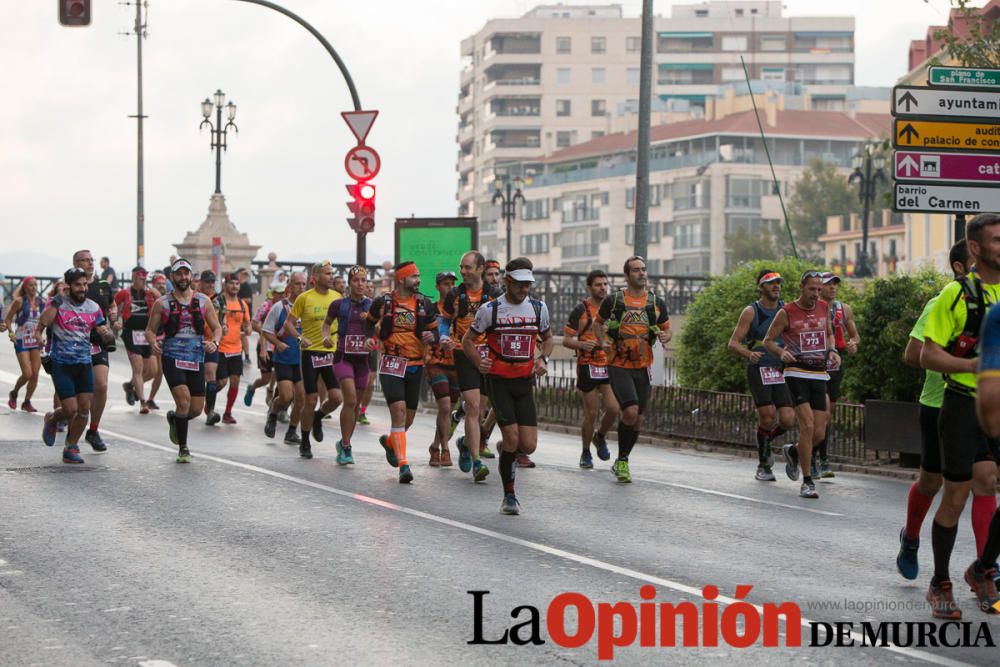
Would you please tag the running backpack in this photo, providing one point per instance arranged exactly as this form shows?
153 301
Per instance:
424 314
345 313
494 315
967 343
618 311
173 322
758 318
490 293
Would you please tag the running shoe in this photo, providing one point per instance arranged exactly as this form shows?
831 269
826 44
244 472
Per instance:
510 505
213 418
485 451
130 396
151 404
228 418
71 454
405 476
283 416
791 454
363 419
349 455
12 401
764 474
317 429
96 441
292 438
305 451
808 490
942 601
435 461
458 414
271 425
906 559
621 471
981 582
342 457
62 426
446 458
464 456
390 455
28 407
524 461
824 469
49 430
143 410
183 455
586 460
172 426
479 471
248 396
601 442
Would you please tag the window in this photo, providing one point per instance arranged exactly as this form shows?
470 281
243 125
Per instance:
892 247
598 108
772 43
598 45
773 74
563 107
536 209
632 76
534 244
596 134
688 233
734 43
654 194
629 198
732 73
653 235
564 139
633 44
745 192
690 194
563 45
701 13
563 76
598 75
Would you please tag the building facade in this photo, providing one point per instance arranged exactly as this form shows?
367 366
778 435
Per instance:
563 75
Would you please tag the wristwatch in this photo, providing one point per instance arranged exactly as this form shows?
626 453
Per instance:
544 359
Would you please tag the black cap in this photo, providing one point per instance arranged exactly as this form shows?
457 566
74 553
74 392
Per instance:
445 275
234 276
207 277
74 274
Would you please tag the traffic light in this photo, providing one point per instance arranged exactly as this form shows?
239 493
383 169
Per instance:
362 205
74 12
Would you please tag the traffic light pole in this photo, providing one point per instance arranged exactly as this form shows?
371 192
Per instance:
361 253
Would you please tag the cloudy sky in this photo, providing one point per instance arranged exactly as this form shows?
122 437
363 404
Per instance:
67 146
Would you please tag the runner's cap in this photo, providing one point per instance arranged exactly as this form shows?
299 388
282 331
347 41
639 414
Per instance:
770 278
829 277
139 271
179 264
521 276
207 277
445 275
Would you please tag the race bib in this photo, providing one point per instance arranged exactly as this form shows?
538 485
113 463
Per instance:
770 376
515 346
484 351
187 365
322 361
394 366
598 372
95 348
812 341
28 337
354 344
139 337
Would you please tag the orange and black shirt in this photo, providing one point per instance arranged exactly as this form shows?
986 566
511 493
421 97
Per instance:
402 318
580 326
632 348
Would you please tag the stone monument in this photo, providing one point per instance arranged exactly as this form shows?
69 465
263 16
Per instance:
237 251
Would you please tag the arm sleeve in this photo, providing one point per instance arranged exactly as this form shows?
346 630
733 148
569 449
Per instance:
573 323
604 312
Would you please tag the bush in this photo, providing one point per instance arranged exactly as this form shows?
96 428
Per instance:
703 361
885 314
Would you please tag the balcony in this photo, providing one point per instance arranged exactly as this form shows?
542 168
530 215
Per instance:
466 133
513 44
576 215
585 251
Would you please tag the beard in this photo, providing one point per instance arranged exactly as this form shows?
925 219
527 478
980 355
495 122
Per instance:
182 285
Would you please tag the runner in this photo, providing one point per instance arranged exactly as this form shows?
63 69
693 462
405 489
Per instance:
591 369
264 347
73 319
846 340
245 294
984 569
134 303
443 380
487 417
633 319
491 274
234 342
186 318
100 293
310 309
406 321
951 344
929 480
458 310
286 360
159 286
350 360
25 309
339 284
366 395
513 324
212 385
764 377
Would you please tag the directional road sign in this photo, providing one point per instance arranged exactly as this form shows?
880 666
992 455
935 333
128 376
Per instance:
915 198
944 135
362 163
360 123
973 168
967 77
909 101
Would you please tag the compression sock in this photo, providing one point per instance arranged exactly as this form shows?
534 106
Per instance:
917 505
991 550
234 389
305 436
776 432
397 439
763 437
983 509
943 541
181 426
627 437
821 448
211 389
507 460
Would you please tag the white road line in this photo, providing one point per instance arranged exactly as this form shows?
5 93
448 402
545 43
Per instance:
156 663
510 539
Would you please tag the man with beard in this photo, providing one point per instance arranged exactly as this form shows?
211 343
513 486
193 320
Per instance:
134 303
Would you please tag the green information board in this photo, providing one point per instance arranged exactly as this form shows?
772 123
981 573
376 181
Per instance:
435 245
972 77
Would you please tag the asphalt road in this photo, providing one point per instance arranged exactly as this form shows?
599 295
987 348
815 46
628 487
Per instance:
254 556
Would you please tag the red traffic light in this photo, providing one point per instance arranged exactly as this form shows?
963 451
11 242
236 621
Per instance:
366 191
362 206
74 12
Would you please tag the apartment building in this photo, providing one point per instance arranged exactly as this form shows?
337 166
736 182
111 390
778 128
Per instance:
562 75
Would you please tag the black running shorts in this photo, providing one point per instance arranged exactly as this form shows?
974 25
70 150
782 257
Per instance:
631 386
930 443
317 365
407 388
767 394
288 372
809 391
963 442
833 385
513 400
194 380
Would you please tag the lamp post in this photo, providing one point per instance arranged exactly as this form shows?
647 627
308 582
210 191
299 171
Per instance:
218 131
868 182
508 200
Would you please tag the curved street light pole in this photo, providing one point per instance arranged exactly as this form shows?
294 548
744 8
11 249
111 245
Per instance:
508 203
218 130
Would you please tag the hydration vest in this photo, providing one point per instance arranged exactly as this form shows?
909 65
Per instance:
172 323
423 315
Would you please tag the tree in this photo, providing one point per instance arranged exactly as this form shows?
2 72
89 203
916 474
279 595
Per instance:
819 193
746 248
980 45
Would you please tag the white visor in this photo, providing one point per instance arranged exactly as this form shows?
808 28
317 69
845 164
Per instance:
521 276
